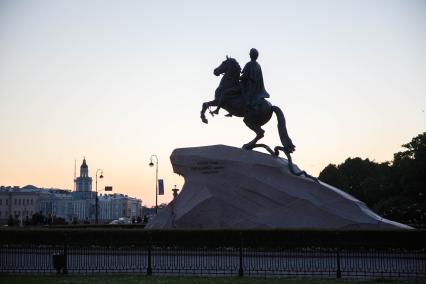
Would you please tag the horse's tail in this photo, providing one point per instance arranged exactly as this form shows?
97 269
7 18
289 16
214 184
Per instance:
288 146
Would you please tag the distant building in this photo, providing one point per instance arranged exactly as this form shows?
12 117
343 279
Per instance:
22 203
83 197
56 202
112 207
83 183
134 208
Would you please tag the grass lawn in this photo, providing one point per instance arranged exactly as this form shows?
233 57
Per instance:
166 280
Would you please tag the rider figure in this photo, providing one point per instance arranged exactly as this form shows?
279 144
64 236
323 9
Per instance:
252 82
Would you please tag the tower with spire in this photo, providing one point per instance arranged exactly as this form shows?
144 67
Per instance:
83 196
83 183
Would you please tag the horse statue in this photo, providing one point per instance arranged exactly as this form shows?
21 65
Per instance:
230 97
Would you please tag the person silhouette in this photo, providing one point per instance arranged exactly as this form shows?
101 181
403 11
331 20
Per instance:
252 84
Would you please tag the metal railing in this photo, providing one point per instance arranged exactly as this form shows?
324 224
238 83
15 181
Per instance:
233 258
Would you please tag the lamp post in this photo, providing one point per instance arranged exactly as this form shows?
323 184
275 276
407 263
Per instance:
96 202
151 164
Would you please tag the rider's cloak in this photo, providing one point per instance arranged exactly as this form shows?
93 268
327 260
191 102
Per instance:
252 82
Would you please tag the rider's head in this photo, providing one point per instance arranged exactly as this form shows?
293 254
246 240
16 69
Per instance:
254 53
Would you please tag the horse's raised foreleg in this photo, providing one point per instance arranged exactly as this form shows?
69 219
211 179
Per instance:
221 96
259 134
206 105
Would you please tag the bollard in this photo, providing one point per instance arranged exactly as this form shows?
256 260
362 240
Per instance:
58 260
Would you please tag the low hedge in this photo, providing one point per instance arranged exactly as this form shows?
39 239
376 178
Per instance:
213 238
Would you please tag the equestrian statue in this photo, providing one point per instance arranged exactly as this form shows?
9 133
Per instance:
243 94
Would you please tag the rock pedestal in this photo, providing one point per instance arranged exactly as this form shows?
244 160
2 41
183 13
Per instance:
231 188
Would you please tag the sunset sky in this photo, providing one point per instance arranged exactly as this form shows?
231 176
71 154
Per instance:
117 81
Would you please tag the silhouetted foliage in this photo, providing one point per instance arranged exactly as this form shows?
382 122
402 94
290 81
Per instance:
396 190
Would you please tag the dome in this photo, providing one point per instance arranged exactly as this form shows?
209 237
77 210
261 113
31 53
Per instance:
30 186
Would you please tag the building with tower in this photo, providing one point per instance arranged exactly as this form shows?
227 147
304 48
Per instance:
84 198
83 183
21 203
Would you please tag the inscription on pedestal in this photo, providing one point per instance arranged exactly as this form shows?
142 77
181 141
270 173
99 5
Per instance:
208 167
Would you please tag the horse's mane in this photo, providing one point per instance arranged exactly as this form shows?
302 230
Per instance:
235 65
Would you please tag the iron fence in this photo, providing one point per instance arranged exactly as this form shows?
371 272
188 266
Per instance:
364 260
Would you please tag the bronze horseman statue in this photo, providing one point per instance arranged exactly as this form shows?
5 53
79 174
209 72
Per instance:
245 96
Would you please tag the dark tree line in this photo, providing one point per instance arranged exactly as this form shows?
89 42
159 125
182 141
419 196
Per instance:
396 190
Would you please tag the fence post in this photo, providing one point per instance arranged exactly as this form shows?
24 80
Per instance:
149 268
338 272
338 243
241 271
65 269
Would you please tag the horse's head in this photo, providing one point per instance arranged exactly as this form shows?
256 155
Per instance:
228 66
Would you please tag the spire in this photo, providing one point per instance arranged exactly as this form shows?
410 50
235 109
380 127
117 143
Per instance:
84 165
84 169
84 182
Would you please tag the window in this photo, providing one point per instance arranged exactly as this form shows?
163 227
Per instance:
0 213
16 202
31 202
1 200
7 202
19 202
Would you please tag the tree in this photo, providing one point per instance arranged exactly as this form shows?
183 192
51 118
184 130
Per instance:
331 175
396 190
364 179
410 169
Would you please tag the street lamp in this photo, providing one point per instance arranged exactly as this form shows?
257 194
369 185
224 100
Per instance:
96 202
151 164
